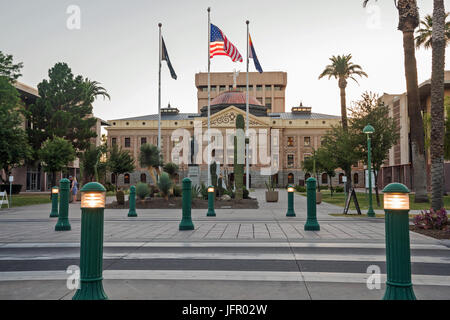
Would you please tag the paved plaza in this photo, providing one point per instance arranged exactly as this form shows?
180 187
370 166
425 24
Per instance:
239 254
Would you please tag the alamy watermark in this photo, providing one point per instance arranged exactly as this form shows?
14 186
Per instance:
73 21
374 280
374 17
73 280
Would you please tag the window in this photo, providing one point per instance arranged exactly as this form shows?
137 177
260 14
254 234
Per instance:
127 142
222 88
306 156
143 178
291 178
269 103
268 87
241 88
290 141
277 88
204 89
113 141
356 178
258 88
213 88
126 178
290 160
307 141
324 178
143 140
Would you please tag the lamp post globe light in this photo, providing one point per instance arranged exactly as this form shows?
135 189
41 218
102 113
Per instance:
369 130
211 196
398 253
93 198
290 211
54 212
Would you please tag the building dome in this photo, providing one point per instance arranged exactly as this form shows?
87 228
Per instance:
234 98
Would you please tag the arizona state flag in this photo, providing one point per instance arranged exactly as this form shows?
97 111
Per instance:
253 55
165 56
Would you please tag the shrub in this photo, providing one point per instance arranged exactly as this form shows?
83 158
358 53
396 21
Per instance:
323 188
339 189
165 184
110 187
153 189
246 193
120 197
142 190
195 191
204 191
436 220
300 189
177 192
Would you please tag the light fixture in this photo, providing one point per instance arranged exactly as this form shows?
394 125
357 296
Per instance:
368 129
211 189
55 190
290 189
93 196
396 197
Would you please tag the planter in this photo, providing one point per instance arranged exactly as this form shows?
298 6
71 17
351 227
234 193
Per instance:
271 196
318 197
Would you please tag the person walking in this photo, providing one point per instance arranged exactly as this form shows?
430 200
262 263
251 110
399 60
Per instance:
71 186
74 189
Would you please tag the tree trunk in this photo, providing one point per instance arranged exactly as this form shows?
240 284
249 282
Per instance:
375 172
342 86
152 174
437 105
415 115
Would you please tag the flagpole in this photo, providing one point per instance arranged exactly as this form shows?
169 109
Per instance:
209 95
159 88
247 166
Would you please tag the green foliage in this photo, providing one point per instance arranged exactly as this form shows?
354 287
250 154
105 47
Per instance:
246 193
177 192
55 154
142 190
150 156
339 189
164 184
64 109
195 191
213 172
204 191
239 167
342 67
8 69
424 33
270 184
300 189
171 168
90 161
14 147
120 161
120 197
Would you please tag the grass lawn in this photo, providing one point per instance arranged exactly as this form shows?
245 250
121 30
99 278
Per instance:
363 200
20 200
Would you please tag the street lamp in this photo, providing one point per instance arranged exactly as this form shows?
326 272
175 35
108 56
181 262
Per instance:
211 196
398 252
369 130
93 198
290 212
54 212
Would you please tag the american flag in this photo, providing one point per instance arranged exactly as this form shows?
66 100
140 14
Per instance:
220 46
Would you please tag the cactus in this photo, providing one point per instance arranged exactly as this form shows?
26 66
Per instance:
213 171
120 197
238 167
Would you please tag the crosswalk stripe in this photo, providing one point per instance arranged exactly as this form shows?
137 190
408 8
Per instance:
274 276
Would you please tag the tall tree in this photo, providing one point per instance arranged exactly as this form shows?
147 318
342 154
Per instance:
64 108
437 105
342 69
371 110
14 147
151 158
408 22
119 162
328 163
8 69
55 155
424 36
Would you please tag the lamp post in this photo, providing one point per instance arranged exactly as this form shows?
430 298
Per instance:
290 211
132 202
369 130
63 217
211 196
398 253
93 198
54 212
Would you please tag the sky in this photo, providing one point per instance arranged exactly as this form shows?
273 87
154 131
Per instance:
116 44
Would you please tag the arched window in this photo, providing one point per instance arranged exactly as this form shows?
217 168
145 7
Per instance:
143 178
341 178
126 178
113 178
355 178
324 178
291 178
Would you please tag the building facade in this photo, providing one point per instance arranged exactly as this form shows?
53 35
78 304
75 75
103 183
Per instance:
398 167
268 88
299 132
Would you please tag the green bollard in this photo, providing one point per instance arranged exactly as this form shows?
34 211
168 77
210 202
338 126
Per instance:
63 218
54 212
290 212
186 221
211 196
93 198
132 202
398 252
311 222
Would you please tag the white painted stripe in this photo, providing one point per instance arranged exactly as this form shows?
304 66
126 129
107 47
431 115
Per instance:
201 244
277 276
228 256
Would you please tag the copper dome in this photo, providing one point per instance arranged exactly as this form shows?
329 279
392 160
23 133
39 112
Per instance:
234 98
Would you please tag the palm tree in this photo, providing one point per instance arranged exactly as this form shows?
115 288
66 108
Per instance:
408 22
151 158
424 34
94 90
342 69
438 42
